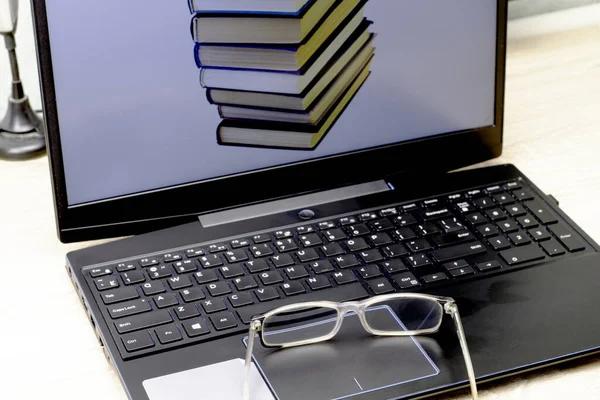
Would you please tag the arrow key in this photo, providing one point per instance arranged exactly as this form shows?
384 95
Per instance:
460 272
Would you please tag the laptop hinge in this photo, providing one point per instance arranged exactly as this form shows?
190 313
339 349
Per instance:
293 203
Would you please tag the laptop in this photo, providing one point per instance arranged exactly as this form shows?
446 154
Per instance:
260 153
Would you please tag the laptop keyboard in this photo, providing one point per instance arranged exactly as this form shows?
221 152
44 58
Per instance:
205 292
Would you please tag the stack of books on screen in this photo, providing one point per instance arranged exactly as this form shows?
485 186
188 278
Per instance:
281 72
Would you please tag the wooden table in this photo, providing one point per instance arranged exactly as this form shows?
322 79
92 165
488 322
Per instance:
48 349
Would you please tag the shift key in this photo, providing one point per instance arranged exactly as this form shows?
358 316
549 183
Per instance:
142 321
459 251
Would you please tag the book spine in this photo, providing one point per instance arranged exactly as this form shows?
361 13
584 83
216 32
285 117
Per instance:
197 55
191 6
202 78
220 110
209 96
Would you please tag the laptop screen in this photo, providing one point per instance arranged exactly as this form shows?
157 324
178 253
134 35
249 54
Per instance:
164 93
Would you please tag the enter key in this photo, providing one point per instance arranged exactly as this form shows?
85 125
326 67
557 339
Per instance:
567 237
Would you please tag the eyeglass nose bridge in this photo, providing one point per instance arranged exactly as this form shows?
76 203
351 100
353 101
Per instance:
353 307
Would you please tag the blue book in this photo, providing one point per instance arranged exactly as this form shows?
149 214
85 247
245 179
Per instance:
249 6
262 28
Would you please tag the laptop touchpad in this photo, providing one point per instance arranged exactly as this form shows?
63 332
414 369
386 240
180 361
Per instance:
354 362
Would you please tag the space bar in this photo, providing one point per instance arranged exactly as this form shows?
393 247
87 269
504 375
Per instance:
354 291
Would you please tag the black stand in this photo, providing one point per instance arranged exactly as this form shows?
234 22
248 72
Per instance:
22 133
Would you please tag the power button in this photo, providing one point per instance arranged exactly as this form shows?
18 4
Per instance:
306 214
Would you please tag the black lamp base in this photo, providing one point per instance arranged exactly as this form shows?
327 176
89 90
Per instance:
22 133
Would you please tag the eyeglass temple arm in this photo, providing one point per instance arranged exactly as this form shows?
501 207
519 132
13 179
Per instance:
452 309
255 327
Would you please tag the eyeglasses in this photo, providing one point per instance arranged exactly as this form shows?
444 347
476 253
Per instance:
402 314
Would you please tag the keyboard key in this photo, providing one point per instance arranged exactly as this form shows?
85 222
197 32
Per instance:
504 198
451 225
394 266
380 286
126 266
129 308
307 255
475 193
553 248
350 292
137 341
203 277
332 250
516 210
465 207
458 251
217 248
318 282
239 243
388 212
404 234
296 272
284 245
185 266
97 272
519 238
152 288
192 294
255 266
359 230
418 245
186 311
406 280
488 266
106 283
179 282
143 321
395 250
240 299
541 212
512 186
371 256
488 230
168 334
460 272
357 244
449 239
148 262
237 255
348 221
166 300
212 305
344 277
282 260
567 238
484 202
475 218
346 261
508 226
455 264
211 260
522 254
283 234
367 216
266 294
118 295
195 252
292 288
369 271
499 243
159 271
455 197
171 257
232 271
440 276
382 225
258 239
261 250
218 288
333 235
381 239
195 327
527 221
223 321
312 239
270 277
410 207
428 228
419 260
540 234
522 195
245 283
326 225
303 230
496 214
321 266
430 203
435 213
493 189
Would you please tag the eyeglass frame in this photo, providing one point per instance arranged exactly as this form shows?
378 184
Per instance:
447 304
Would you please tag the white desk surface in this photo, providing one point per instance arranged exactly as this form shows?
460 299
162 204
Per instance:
48 350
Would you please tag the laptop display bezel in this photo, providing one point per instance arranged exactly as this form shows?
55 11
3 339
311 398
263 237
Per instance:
143 212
